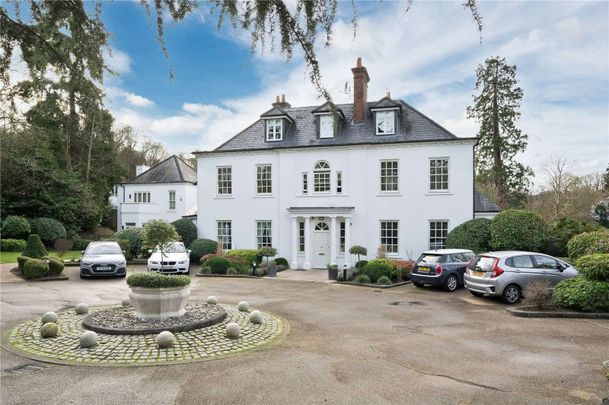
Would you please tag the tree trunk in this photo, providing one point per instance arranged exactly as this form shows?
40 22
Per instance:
497 161
90 147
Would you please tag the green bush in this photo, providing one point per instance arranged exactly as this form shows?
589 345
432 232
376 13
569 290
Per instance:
582 294
12 245
186 229
34 247
80 244
561 231
201 247
125 247
35 268
205 270
362 279
588 243
383 280
281 261
246 255
48 229
218 264
15 227
518 230
241 264
474 234
244 270
157 280
376 269
594 266
21 260
134 238
361 264
232 271
267 251
55 265
260 272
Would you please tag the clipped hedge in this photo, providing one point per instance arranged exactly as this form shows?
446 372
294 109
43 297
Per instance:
35 268
201 247
377 268
12 245
361 264
518 230
594 267
48 229
186 229
157 280
34 247
21 260
588 243
582 294
247 255
55 265
474 235
218 264
282 261
16 227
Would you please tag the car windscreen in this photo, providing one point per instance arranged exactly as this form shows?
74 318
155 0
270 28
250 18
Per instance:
482 263
103 249
173 248
429 259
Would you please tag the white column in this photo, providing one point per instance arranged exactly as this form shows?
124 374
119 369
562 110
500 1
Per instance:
294 263
307 262
347 241
332 240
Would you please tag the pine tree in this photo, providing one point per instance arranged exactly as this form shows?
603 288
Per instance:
496 109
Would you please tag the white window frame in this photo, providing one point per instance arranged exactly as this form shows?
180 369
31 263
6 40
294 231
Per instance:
305 183
264 233
342 234
376 120
325 135
224 184
264 181
339 182
301 237
274 129
225 234
435 245
320 174
386 176
141 197
172 193
433 177
393 248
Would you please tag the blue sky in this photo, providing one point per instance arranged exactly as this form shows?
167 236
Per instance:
427 57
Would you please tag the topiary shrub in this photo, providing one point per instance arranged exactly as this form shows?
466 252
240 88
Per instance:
12 245
281 261
582 294
48 229
133 237
376 269
361 264
383 281
561 231
21 260
588 243
594 267
518 230
80 244
538 294
201 247
186 229
157 280
474 235
218 264
359 251
35 268
55 266
244 255
34 247
362 279
15 227
267 251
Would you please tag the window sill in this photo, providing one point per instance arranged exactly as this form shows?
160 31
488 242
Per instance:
263 196
224 197
322 195
389 194
438 193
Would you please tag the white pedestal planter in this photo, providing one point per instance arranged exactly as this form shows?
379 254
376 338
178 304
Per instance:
159 303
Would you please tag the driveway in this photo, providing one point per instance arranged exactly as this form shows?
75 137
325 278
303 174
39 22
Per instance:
347 345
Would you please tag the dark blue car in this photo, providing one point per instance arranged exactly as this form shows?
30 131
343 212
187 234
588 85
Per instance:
441 268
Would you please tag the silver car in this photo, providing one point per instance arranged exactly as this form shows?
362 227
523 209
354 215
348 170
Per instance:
507 274
102 259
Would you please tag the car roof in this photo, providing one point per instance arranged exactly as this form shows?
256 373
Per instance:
446 251
103 242
509 253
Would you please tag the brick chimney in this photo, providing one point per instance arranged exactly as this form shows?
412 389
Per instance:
360 91
281 103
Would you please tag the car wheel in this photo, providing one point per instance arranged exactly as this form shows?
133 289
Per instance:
81 276
476 293
417 284
511 294
451 284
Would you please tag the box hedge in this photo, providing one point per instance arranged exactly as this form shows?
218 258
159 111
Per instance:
282 261
12 245
248 255
594 267
582 294
218 264
378 268
21 260
55 265
186 229
157 280
15 227
474 234
588 243
35 268
201 247
48 229
518 230
34 247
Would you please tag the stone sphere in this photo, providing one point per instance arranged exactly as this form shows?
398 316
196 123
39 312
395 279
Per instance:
49 330
233 330
126 302
49 317
212 300
243 306
81 308
88 339
165 339
256 317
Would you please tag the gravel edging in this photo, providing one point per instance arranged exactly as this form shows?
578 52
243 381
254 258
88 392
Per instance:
17 272
524 313
374 285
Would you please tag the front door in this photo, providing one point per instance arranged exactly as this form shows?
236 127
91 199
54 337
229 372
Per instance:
321 245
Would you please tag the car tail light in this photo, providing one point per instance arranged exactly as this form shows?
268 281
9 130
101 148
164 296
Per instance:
439 269
496 271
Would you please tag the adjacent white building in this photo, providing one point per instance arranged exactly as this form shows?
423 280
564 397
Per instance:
166 191
313 181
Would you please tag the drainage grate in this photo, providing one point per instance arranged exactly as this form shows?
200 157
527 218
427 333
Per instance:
25 369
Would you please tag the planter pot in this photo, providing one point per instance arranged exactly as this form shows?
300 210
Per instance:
271 270
159 303
332 273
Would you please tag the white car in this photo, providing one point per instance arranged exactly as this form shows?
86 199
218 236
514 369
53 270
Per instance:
176 259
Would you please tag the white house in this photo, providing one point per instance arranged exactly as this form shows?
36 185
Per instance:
312 182
165 191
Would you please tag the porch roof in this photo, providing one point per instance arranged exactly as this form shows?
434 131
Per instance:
320 211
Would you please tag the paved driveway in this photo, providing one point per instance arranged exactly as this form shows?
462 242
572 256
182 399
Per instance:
347 345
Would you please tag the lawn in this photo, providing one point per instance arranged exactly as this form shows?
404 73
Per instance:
11 257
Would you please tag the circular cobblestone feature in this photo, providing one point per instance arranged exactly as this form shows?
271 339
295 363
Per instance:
141 350
121 320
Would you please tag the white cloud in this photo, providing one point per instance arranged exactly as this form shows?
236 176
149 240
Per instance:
118 96
118 61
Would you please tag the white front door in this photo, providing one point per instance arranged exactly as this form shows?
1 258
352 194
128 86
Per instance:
321 245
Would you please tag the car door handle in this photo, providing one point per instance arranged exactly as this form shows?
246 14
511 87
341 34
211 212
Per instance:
516 271
322 254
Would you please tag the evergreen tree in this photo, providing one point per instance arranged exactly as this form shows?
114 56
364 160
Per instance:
496 109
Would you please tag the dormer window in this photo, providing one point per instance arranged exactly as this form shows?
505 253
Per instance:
385 122
274 129
326 126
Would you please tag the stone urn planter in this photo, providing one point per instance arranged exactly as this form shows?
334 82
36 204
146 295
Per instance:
159 303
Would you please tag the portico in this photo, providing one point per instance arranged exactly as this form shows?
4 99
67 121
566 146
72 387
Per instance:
320 236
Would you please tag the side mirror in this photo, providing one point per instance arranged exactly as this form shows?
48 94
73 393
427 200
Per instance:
82 252
149 250
189 251
124 252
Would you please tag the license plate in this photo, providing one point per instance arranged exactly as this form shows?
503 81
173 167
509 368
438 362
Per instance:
102 268
423 269
478 273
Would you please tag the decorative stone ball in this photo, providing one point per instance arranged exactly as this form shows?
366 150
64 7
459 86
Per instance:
126 302
243 306
88 339
212 300
49 330
233 330
81 308
49 317
256 317
165 339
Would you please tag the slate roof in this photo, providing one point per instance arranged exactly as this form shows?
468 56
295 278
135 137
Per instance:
413 126
171 170
386 102
483 204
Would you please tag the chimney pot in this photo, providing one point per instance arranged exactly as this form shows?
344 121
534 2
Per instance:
388 95
359 62
281 103
283 98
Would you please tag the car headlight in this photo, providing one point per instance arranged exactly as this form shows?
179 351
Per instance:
154 262
123 263
182 262
86 264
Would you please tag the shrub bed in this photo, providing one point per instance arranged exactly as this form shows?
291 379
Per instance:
55 265
594 267
474 234
361 264
48 229
12 245
281 261
157 280
218 264
583 294
34 247
35 268
15 227
201 247
588 243
362 279
186 229
383 281
518 230
378 268
245 255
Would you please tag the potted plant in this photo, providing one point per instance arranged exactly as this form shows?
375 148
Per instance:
332 271
268 251
158 296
